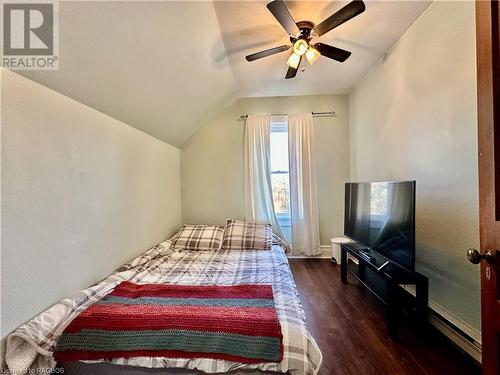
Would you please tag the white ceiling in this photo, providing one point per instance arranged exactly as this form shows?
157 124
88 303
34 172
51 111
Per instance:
153 65
163 67
248 27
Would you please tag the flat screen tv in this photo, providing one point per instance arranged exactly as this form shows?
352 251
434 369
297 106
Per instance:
381 217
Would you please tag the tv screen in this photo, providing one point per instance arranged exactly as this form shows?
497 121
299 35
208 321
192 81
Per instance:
381 217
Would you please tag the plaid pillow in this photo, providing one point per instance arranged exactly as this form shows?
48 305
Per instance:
199 237
241 235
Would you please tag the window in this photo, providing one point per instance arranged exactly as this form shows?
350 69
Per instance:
280 180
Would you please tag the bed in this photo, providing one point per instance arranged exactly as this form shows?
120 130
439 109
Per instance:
32 344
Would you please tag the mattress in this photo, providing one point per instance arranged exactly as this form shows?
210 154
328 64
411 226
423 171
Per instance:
32 344
105 368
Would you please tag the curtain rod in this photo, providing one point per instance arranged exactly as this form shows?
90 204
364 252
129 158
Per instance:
315 114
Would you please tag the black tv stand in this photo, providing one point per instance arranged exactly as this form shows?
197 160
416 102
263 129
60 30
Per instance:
385 280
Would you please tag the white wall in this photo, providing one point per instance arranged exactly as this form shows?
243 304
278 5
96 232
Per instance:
212 161
81 194
414 117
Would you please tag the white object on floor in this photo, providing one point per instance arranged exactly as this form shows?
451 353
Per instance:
336 244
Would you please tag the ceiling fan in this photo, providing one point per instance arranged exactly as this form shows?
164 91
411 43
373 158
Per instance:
303 32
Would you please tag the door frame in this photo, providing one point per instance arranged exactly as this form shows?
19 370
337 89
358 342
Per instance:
488 65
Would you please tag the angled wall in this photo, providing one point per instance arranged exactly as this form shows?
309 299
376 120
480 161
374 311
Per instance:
82 193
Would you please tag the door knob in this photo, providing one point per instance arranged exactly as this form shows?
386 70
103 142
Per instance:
475 256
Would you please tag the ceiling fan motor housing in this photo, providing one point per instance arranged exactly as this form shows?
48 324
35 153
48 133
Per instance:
306 31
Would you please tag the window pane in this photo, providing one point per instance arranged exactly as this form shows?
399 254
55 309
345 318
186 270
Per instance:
279 176
281 200
281 192
279 151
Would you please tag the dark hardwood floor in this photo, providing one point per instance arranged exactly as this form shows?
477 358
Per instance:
348 323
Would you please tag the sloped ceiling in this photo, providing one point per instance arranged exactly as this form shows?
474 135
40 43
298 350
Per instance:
249 27
168 67
156 66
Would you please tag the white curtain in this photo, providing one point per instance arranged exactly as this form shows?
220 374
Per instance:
303 185
258 193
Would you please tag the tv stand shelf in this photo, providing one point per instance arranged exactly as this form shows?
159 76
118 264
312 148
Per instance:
386 280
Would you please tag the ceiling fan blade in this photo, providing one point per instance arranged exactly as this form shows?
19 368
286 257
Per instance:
282 14
292 72
267 52
332 52
351 10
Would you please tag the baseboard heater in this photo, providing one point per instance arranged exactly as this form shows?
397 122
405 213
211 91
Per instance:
461 339
450 327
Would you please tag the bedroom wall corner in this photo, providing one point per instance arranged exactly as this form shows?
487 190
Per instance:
212 161
81 194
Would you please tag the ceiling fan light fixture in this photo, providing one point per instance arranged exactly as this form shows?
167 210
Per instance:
293 60
312 55
300 47
301 33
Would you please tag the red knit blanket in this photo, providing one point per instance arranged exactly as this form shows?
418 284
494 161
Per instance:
236 323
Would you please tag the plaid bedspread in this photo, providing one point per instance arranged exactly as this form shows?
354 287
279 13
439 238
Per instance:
161 264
